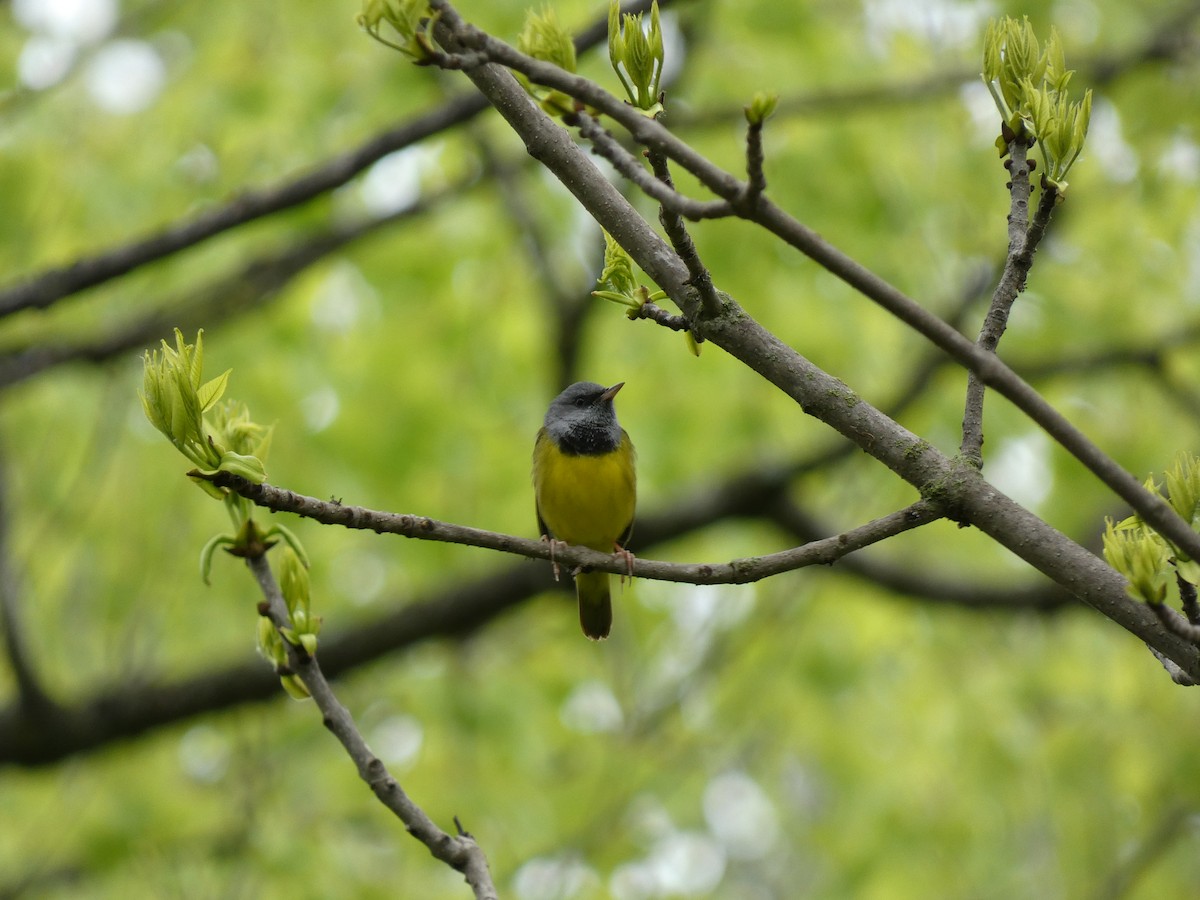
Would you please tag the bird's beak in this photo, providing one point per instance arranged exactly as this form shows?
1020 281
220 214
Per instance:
612 392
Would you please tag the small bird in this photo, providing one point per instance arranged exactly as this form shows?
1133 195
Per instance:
585 488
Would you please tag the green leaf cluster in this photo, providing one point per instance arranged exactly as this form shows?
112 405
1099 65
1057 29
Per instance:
636 54
217 437
544 37
176 399
1147 560
410 20
301 632
761 108
1028 85
617 283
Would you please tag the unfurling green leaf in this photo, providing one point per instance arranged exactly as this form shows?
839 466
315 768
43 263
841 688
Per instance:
1148 561
290 539
248 467
308 640
636 54
410 21
294 585
545 38
293 580
1142 557
1183 486
208 550
617 281
170 380
211 391
294 687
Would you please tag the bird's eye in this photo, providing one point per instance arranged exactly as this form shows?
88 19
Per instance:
580 403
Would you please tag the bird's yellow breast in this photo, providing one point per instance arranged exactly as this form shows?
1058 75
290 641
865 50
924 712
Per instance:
585 500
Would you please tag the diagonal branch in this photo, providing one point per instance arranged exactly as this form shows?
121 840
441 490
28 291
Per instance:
920 583
460 852
628 165
43 289
621 221
248 288
958 487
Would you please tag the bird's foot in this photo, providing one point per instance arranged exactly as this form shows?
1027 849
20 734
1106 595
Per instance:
554 545
620 551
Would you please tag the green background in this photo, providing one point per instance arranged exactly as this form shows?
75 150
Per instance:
815 735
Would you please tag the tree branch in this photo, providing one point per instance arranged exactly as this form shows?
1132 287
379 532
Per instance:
43 289
738 571
957 487
1012 282
609 148
460 852
618 218
248 288
134 707
677 234
918 582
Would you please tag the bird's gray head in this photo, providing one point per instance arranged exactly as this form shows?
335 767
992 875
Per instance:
582 419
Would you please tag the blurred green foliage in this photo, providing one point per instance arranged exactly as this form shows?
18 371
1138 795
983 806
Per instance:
904 749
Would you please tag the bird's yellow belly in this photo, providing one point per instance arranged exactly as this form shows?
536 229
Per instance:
587 500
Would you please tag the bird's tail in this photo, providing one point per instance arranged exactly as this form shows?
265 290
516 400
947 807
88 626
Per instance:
595 604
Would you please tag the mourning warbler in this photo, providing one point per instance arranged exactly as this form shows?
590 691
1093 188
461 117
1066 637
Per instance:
585 488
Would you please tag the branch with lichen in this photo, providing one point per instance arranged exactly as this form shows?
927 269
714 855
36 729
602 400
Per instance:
1028 85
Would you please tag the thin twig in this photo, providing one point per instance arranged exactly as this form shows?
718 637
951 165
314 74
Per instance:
461 852
1021 242
922 583
677 234
628 165
737 571
756 179
660 316
1175 622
